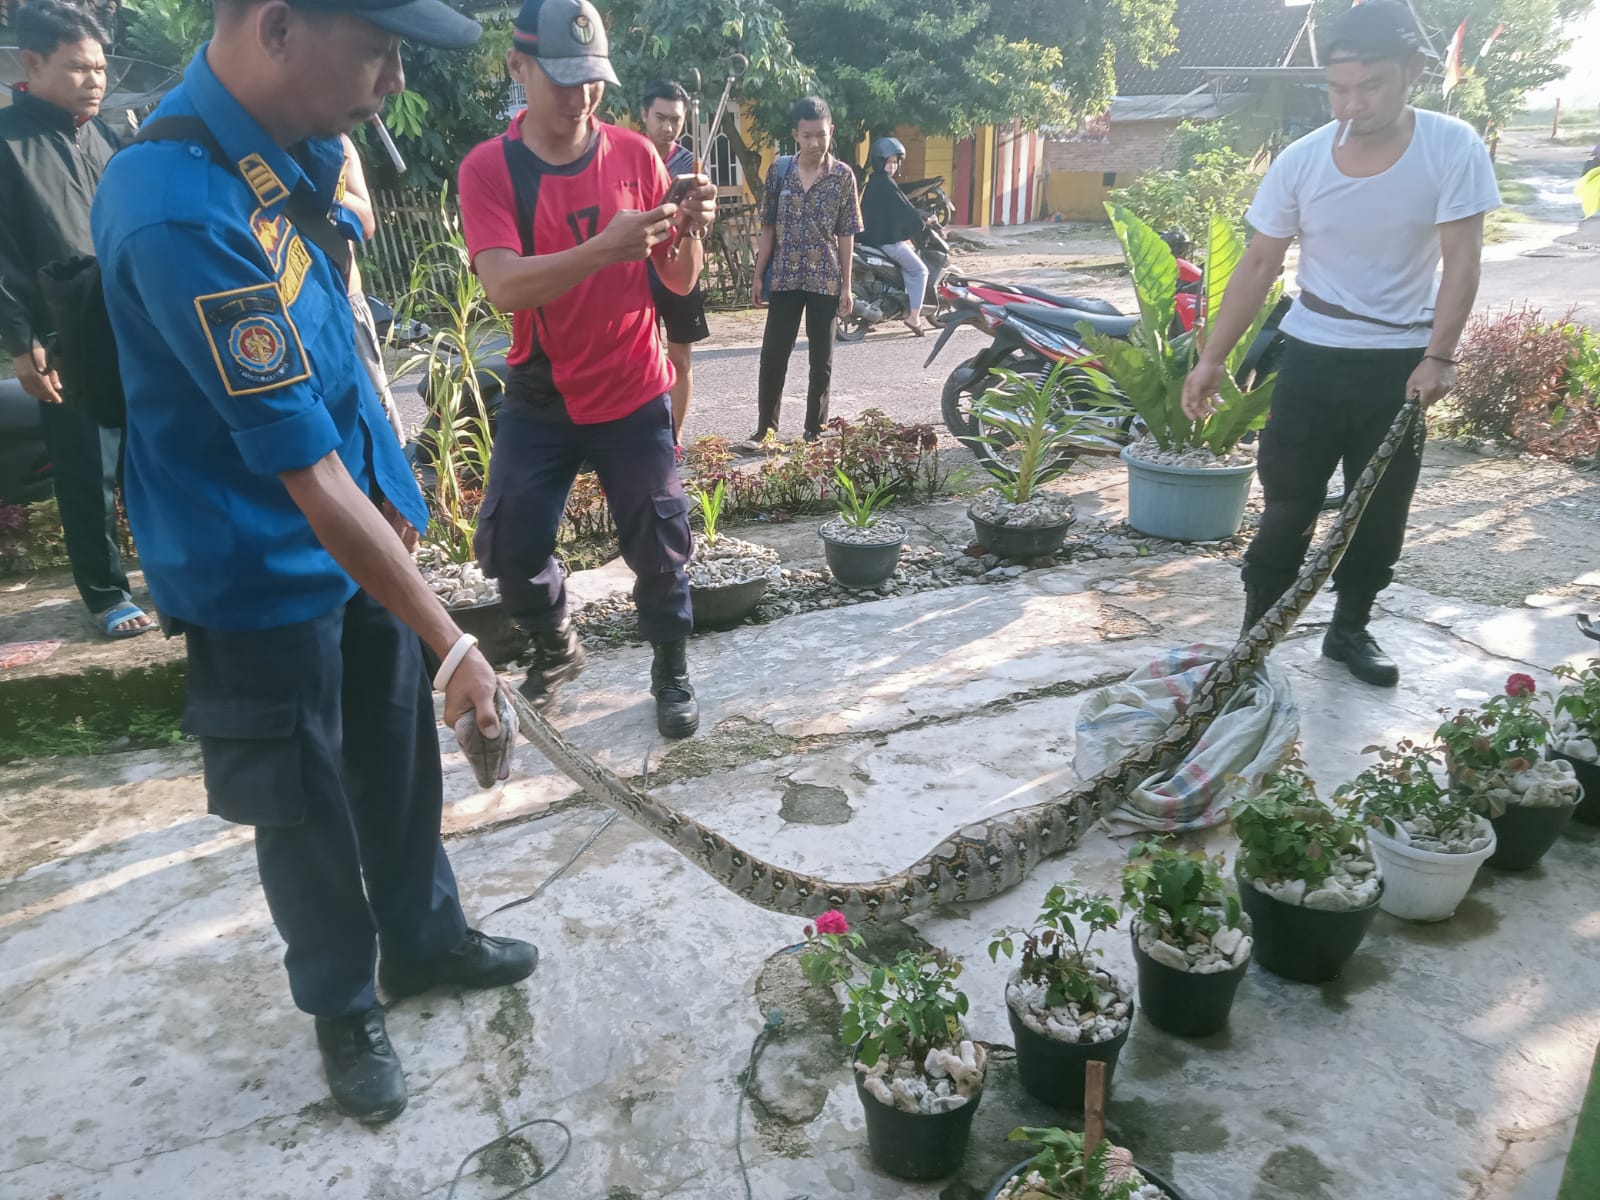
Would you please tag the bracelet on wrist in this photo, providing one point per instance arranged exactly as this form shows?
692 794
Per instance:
452 660
1441 358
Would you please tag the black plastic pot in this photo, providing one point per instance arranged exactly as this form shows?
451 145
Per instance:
1305 944
1588 810
720 607
1150 1177
499 639
1182 1002
1523 834
859 566
917 1145
1053 1071
1008 542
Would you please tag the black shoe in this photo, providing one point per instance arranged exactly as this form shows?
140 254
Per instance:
1348 641
363 1070
556 656
479 961
812 437
677 713
1258 601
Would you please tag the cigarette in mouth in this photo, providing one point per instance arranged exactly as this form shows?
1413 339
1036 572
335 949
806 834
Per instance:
389 147
1344 132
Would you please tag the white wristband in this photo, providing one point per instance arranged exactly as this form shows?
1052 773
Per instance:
453 660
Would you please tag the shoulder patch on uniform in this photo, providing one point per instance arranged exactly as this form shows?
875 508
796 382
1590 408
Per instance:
253 340
340 188
263 181
271 233
296 262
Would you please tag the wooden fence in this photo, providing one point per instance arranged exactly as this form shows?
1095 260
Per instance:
410 221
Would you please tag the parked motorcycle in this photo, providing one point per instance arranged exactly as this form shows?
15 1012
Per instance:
879 287
929 196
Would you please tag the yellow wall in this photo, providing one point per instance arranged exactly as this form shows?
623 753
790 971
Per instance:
983 177
1076 195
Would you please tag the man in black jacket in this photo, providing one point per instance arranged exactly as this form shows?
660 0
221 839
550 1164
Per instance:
53 149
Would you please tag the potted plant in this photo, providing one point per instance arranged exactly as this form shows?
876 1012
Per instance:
1428 843
1495 758
1305 876
453 446
1187 480
1037 430
917 1075
1065 1011
1063 1171
862 548
1575 733
727 576
1191 940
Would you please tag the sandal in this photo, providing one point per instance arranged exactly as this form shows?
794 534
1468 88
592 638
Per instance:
117 614
916 330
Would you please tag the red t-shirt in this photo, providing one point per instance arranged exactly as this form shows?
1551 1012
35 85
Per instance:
593 354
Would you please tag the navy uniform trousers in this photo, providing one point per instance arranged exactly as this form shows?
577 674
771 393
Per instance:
1331 406
530 475
322 735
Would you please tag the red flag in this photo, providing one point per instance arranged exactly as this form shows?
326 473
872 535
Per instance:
1498 30
1452 61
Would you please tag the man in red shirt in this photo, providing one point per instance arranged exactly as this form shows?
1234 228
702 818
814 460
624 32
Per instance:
560 216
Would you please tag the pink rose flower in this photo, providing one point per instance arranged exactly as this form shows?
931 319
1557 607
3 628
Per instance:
1519 685
833 921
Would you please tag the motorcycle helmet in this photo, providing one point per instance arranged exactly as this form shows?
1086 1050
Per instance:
884 149
1178 241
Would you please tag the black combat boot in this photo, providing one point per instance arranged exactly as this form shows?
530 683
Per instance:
677 714
1348 641
1258 598
554 657
363 1070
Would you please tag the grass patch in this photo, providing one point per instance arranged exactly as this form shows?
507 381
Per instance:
1501 225
1513 191
93 713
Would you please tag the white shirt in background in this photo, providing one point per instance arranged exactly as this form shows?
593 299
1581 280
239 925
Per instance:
1372 245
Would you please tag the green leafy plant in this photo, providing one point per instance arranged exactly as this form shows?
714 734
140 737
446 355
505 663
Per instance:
1041 425
1286 833
458 439
902 1009
1051 953
1503 735
1403 785
1580 699
710 505
1178 892
1066 1173
1215 173
1149 368
857 509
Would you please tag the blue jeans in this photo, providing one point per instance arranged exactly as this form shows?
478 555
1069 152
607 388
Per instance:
530 475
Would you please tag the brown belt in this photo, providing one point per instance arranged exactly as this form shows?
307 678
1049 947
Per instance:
1328 309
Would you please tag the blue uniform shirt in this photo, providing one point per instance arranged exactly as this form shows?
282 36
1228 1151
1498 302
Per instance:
238 358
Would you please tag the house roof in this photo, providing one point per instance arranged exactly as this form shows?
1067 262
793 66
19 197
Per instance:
1218 34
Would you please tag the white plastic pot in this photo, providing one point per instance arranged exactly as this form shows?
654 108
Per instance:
1422 885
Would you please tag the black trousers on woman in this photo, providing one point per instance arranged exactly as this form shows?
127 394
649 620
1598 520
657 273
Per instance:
784 312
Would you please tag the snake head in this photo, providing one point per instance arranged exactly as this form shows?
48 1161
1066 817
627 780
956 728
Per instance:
490 757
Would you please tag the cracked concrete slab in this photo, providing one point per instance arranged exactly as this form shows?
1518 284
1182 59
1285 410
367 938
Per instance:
152 1050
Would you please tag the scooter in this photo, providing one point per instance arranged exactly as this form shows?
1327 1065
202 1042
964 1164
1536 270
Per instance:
879 287
929 196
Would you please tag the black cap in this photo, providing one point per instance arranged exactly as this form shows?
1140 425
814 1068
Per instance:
1371 32
566 38
428 22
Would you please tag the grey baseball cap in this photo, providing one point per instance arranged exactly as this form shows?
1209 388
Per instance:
428 22
567 39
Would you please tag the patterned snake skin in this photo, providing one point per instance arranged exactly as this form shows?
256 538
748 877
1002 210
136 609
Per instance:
987 857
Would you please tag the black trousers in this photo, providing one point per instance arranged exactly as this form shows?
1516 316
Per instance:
1332 405
530 474
322 736
86 459
784 311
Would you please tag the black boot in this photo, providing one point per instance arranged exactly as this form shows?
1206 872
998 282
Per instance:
477 961
554 657
1258 598
362 1068
677 714
1348 641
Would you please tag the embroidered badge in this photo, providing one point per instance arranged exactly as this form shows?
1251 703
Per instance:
269 232
340 187
582 29
253 340
296 262
263 181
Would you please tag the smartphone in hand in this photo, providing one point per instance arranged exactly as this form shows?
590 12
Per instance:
682 185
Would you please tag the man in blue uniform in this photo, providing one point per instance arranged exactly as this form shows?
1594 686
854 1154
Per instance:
274 513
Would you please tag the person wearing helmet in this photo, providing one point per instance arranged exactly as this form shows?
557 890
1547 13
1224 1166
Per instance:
891 222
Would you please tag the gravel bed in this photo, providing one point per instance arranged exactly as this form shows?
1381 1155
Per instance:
1146 450
884 533
1042 510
